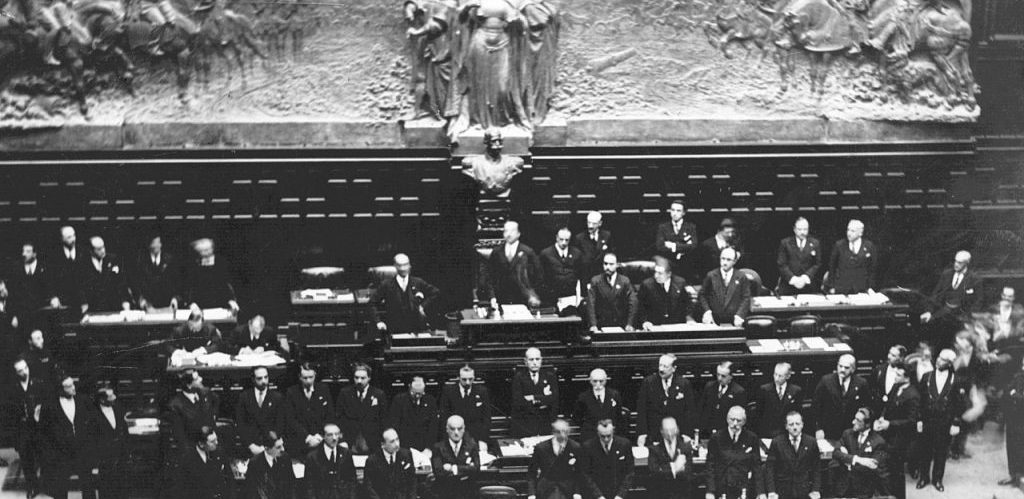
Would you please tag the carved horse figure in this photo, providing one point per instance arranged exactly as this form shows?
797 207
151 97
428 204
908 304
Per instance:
105 22
223 31
822 28
740 23
174 42
22 49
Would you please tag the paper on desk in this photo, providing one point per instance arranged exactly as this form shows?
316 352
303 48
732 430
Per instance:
758 349
815 342
515 450
771 345
812 299
486 459
613 329
420 459
532 442
359 461
825 447
841 347
299 469
112 318
641 452
210 314
868 299
316 293
515 312
568 301
214 359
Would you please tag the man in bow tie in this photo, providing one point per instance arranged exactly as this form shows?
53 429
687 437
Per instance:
793 470
414 414
405 300
799 259
259 410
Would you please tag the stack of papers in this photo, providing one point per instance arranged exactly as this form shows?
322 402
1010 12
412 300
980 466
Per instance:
815 343
359 461
517 312
210 314
771 345
868 299
270 358
214 359
143 426
641 452
421 459
316 294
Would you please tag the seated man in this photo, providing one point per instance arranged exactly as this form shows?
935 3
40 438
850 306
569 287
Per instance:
254 337
862 458
405 300
414 414
259 410
196 336
664 298
611 300
725 294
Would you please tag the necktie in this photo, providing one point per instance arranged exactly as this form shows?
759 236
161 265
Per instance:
309 394
675 228
607 448
600 399
29 270
957 277
845 386
800 244
735 438
465 393
721 391
664 386
796 444
362 394
333 460
782 392
533 376
261 394
391 460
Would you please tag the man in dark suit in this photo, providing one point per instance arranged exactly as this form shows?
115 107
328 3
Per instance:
776 399
39 357
883 376
851 267
270 473
513 272
718 397
664 298
799 260
259 410
663 394
611 299
837 397
414 414
725 294
953 301
390 472
671 463
192 408
556 467
793 470
607 464
207 279
471 401
103 284
361 410
455 462
597 404
156 278
111 438
898 426
560 264
253 337
734 460
29 284
65 284
710 248
24 399
593 244
308 407
534 397
196 333
404 298
203 473
677 240
66 425
944 398
862 458
330 472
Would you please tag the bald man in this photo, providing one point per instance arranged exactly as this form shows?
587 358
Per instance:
851 267
404 299
414 414
104 287
734 460
534 397
456 462
596 404
556 470
953 300
593 244
513 274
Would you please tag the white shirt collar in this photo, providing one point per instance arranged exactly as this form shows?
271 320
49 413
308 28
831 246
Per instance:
512 248
611 280
856 245
70 252
890 378
403 281
667 285
24 384
192 397
328 450
97 264
202 454
68 405
31 267
270 460
941 378
720 242
108 411
726 276
456 446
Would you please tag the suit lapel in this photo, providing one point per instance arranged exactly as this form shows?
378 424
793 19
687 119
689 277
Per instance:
730 287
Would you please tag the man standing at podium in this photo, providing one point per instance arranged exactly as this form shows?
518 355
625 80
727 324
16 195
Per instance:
851 267
611 300
513 271
561 264
404 298
799 260
725 294
664 298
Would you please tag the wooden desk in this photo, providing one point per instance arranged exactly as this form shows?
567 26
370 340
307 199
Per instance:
137 326
340 306
881 317
548 326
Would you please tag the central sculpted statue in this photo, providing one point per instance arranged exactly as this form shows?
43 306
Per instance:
492 170
485 63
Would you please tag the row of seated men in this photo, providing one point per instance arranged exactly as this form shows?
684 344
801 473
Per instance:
90 279
909 411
